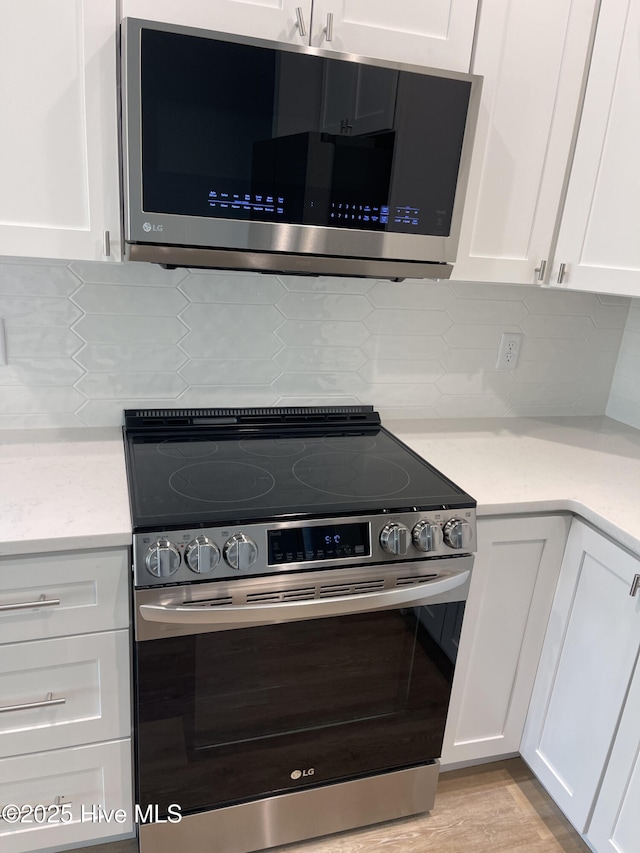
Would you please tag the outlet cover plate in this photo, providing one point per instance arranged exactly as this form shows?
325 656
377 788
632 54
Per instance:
509 350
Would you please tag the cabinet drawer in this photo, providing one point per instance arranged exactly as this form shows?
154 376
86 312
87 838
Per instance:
63 692
84 777
60 594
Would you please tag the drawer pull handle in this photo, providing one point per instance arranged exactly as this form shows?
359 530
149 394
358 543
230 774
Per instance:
27 706
59 801
541 271
27 605
635 586
328 30
300 21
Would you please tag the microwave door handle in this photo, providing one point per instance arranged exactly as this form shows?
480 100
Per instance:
293 611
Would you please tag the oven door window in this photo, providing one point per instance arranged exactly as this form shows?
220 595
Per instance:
235 715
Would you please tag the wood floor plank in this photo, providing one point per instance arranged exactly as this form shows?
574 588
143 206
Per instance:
492 808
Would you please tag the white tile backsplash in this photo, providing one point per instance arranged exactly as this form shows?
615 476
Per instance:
86 340
624 399
36 280
130 300
322 333
124 331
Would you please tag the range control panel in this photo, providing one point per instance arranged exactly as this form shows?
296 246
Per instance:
215 553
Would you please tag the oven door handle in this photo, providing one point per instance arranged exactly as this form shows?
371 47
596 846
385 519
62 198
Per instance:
293 611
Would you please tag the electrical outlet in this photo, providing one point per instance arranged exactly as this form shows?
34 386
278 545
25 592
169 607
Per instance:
508 351
3 344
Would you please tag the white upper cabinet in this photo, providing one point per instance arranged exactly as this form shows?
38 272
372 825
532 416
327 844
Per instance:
438 33
599 239
268 19
533 56
59 140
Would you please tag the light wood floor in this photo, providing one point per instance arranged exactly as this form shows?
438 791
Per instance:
493 808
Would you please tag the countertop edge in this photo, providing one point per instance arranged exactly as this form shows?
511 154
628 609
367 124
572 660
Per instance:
123 538
97 541
564 505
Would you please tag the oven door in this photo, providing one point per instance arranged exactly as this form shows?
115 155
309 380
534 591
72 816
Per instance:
298 688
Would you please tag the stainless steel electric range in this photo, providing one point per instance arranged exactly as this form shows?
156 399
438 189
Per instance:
300 578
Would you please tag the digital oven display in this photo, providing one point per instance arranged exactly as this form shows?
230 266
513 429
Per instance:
305 544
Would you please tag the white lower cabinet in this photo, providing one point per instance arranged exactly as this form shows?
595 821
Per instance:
513 583
615 825
56 693
581 735
91 784
65 699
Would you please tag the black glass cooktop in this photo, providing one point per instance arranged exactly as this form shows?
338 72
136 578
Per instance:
216 473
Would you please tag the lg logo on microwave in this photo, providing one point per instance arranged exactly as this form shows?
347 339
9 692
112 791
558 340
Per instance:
147 226
301 774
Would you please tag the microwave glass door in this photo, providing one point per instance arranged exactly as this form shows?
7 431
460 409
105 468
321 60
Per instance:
240 132
235 715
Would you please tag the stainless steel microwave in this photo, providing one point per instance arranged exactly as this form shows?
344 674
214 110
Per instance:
248 154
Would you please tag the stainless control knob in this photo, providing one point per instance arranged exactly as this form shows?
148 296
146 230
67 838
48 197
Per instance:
395 538
202 555
458 533
427 536
240 552
162 559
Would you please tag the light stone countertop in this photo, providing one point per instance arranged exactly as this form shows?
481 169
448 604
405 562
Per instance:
66 489
62 490
589 466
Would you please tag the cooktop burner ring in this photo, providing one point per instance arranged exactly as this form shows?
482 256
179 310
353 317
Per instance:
350 443
221 481
349 480
267 447
186 448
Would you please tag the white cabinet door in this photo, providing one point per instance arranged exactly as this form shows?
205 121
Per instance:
74 592
62 692
586 665
88 778
615 825
598 241
59 142
533 57
439 34
268 19
512 587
